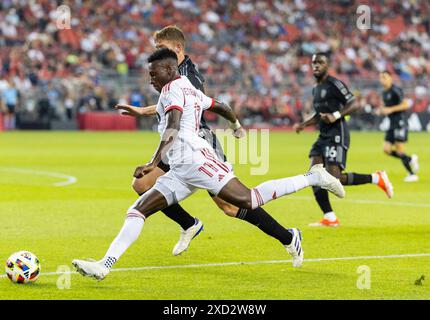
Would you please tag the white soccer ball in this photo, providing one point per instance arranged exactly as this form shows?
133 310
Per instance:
23 267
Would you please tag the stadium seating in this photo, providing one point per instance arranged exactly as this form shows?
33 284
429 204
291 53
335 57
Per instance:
254 54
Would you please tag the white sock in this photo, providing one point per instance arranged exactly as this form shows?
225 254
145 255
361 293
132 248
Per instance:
313 178
330 216
273 189
375 178
129 233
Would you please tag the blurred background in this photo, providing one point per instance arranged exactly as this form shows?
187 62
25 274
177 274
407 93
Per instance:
254 55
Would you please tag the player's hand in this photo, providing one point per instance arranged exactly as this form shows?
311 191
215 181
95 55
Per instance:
328 117
297 127
142 170
128 110
239 133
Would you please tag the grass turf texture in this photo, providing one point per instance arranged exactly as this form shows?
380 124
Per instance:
59 224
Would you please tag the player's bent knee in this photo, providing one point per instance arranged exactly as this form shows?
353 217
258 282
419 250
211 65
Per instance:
240 202
140 186
229 210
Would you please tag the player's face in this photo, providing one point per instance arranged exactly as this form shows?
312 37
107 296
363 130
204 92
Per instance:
319 66
160 74
171 45
385 80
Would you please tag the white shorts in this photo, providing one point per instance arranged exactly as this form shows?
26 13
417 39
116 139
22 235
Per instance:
205 172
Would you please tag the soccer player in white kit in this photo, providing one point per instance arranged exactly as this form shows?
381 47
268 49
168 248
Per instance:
194 165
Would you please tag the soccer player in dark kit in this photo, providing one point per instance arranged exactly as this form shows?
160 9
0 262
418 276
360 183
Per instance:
397 134
333 101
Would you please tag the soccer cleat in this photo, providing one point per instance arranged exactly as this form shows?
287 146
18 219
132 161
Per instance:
325 223
385 184
295 247
187 236
414 164
411 178
93 269
327 181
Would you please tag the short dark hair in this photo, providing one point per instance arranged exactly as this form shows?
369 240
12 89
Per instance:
387 72
323 54
161 54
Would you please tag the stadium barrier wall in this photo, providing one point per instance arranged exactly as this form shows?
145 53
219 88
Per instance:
99 121
1 122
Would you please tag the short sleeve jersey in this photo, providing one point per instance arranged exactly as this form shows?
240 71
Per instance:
181 95
392 97
330 96
188 69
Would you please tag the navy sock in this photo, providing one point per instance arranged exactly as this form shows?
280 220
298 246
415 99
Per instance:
265 222
321 195
406 160
179 215
354 179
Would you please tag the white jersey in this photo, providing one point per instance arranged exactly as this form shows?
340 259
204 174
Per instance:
180 94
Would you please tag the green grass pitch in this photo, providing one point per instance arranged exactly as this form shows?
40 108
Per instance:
60 223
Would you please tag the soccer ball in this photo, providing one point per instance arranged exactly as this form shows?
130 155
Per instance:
22 267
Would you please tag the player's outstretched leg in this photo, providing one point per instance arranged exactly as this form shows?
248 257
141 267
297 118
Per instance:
380 178
236 193
149 203
411 165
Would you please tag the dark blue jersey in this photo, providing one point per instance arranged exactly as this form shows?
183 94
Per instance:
393 97
330 96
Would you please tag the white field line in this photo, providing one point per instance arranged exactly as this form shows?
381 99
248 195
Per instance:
68 179
237 263
72 179
385 203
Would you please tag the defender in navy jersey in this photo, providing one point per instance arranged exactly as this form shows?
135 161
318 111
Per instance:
172 37
395 106
332 101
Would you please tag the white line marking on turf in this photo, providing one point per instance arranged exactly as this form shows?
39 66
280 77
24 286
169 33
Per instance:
69 179
237 263
386 203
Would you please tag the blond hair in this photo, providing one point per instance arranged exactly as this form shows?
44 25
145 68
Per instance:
170 33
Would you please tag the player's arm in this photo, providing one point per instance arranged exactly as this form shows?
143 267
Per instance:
403 106
128 110
308 122
227 112
350 107
346 98
173 120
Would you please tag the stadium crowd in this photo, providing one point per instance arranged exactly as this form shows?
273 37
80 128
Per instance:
254 54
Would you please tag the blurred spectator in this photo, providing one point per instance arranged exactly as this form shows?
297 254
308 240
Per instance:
9 100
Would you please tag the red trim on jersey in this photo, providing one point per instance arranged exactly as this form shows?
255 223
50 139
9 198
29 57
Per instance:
173 107
167 85
213 103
